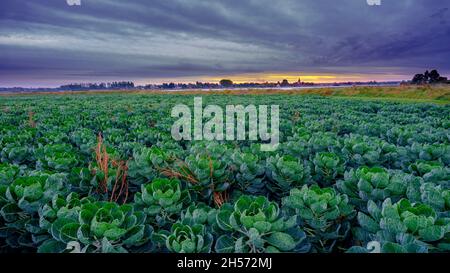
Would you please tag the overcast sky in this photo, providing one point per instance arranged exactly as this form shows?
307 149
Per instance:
48 42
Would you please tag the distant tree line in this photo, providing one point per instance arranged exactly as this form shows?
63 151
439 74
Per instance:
432 77
98 86
224 83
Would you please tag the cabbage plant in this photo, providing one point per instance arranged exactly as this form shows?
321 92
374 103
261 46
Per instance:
327 168
249 173
375 184
199 213
256 225
285 173
16 153
323 142
189 239
98 227
322 213
209 174
432 171
404 227
20 203
8 173
57 157
84 139
430 194
30 193
162 200
431 152
361 151
146 164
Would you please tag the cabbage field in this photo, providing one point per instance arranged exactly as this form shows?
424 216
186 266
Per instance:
102 173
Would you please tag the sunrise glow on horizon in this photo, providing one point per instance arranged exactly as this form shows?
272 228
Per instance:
273 77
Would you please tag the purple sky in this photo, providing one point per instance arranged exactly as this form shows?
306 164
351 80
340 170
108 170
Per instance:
48 43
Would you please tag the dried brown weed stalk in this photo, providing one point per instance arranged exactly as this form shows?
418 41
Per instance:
183 172
104 161
31 121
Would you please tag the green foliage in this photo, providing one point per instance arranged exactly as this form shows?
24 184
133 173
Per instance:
431 152
375 184
97 226
322 213
8 173
322 142
189 239
361 150
404 227
16 153
249 173
430 194
30 193
286 172
255 225
327 168
20 202
146 164
57 157
162 200
209 169
199 213
84 139
432 171
80 180
56 194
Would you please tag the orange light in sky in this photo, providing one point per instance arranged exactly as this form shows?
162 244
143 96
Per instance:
290 76
315 78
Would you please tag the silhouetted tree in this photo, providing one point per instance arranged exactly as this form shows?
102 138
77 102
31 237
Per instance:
418 79
434 76
285 83
429 78
426 76
121 85
226 83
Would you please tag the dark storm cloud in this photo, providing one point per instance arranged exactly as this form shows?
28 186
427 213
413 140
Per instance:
141 39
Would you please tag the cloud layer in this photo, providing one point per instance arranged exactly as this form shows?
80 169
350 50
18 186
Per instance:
47 42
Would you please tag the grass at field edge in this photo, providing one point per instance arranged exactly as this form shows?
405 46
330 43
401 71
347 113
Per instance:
404 94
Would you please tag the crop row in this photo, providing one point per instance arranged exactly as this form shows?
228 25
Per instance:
101 173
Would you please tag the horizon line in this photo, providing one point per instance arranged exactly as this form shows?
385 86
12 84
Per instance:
202 82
